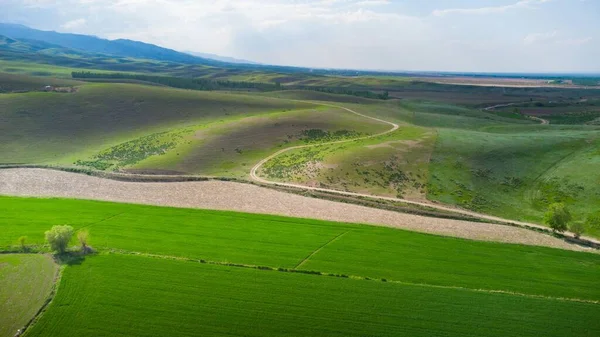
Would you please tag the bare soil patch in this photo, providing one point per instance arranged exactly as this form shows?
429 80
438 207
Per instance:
253 199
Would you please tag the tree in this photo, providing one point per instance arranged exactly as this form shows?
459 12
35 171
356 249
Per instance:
22 241
557 217
83 236
577 228
58 237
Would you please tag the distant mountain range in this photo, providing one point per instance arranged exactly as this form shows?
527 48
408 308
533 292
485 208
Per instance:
221 58
120 47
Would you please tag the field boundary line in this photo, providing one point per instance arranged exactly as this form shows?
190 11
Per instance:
354 277
97 222
319 249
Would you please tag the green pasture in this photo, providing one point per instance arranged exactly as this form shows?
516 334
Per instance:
121 295
25 284
394 164
264 240
517 175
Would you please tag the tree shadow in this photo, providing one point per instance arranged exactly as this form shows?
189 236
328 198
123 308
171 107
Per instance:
71 258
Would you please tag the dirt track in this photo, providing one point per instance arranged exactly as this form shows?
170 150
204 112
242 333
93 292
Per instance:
254 199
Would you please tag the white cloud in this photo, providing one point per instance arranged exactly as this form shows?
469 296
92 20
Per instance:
534 38
554 38
576 41
489 10
375 34
73 24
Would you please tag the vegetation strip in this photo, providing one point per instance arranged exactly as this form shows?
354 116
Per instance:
318 249
355 277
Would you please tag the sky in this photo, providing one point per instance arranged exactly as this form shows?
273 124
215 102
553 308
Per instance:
410 35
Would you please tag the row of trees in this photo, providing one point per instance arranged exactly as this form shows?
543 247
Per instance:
209 85
559 218
180 82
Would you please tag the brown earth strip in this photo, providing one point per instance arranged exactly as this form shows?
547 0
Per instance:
234 196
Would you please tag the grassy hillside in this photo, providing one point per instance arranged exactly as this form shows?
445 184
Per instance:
395 164
364 251
43 127
25 284
490 161
162 297
517 175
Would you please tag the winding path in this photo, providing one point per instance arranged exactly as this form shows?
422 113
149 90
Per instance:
255 177
492 107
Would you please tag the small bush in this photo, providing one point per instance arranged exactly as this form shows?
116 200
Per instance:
22 243
577 228
83 237
58 237
557 217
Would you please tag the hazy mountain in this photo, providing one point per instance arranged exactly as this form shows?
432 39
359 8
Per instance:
220 58
93 44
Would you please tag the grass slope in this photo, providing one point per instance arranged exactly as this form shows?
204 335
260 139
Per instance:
364 251
231 147
40 127
136 296
394 164
517 174
25 284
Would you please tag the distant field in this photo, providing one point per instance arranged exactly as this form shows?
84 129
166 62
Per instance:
17 83
162 297
25 284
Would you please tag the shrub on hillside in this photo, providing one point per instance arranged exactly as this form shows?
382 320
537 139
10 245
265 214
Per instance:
577 228
557 217
58 237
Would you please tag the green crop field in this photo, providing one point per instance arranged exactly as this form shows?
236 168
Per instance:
162 297
286 242
25 284
389 282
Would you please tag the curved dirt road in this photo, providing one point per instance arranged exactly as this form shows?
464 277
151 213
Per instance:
541 120
395 126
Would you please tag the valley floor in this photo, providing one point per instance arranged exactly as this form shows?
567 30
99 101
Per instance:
222 195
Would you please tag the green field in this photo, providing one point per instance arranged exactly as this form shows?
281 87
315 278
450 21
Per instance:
164 297
389 281
286 242
25 284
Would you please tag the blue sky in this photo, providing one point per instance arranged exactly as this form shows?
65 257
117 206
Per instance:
461 35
